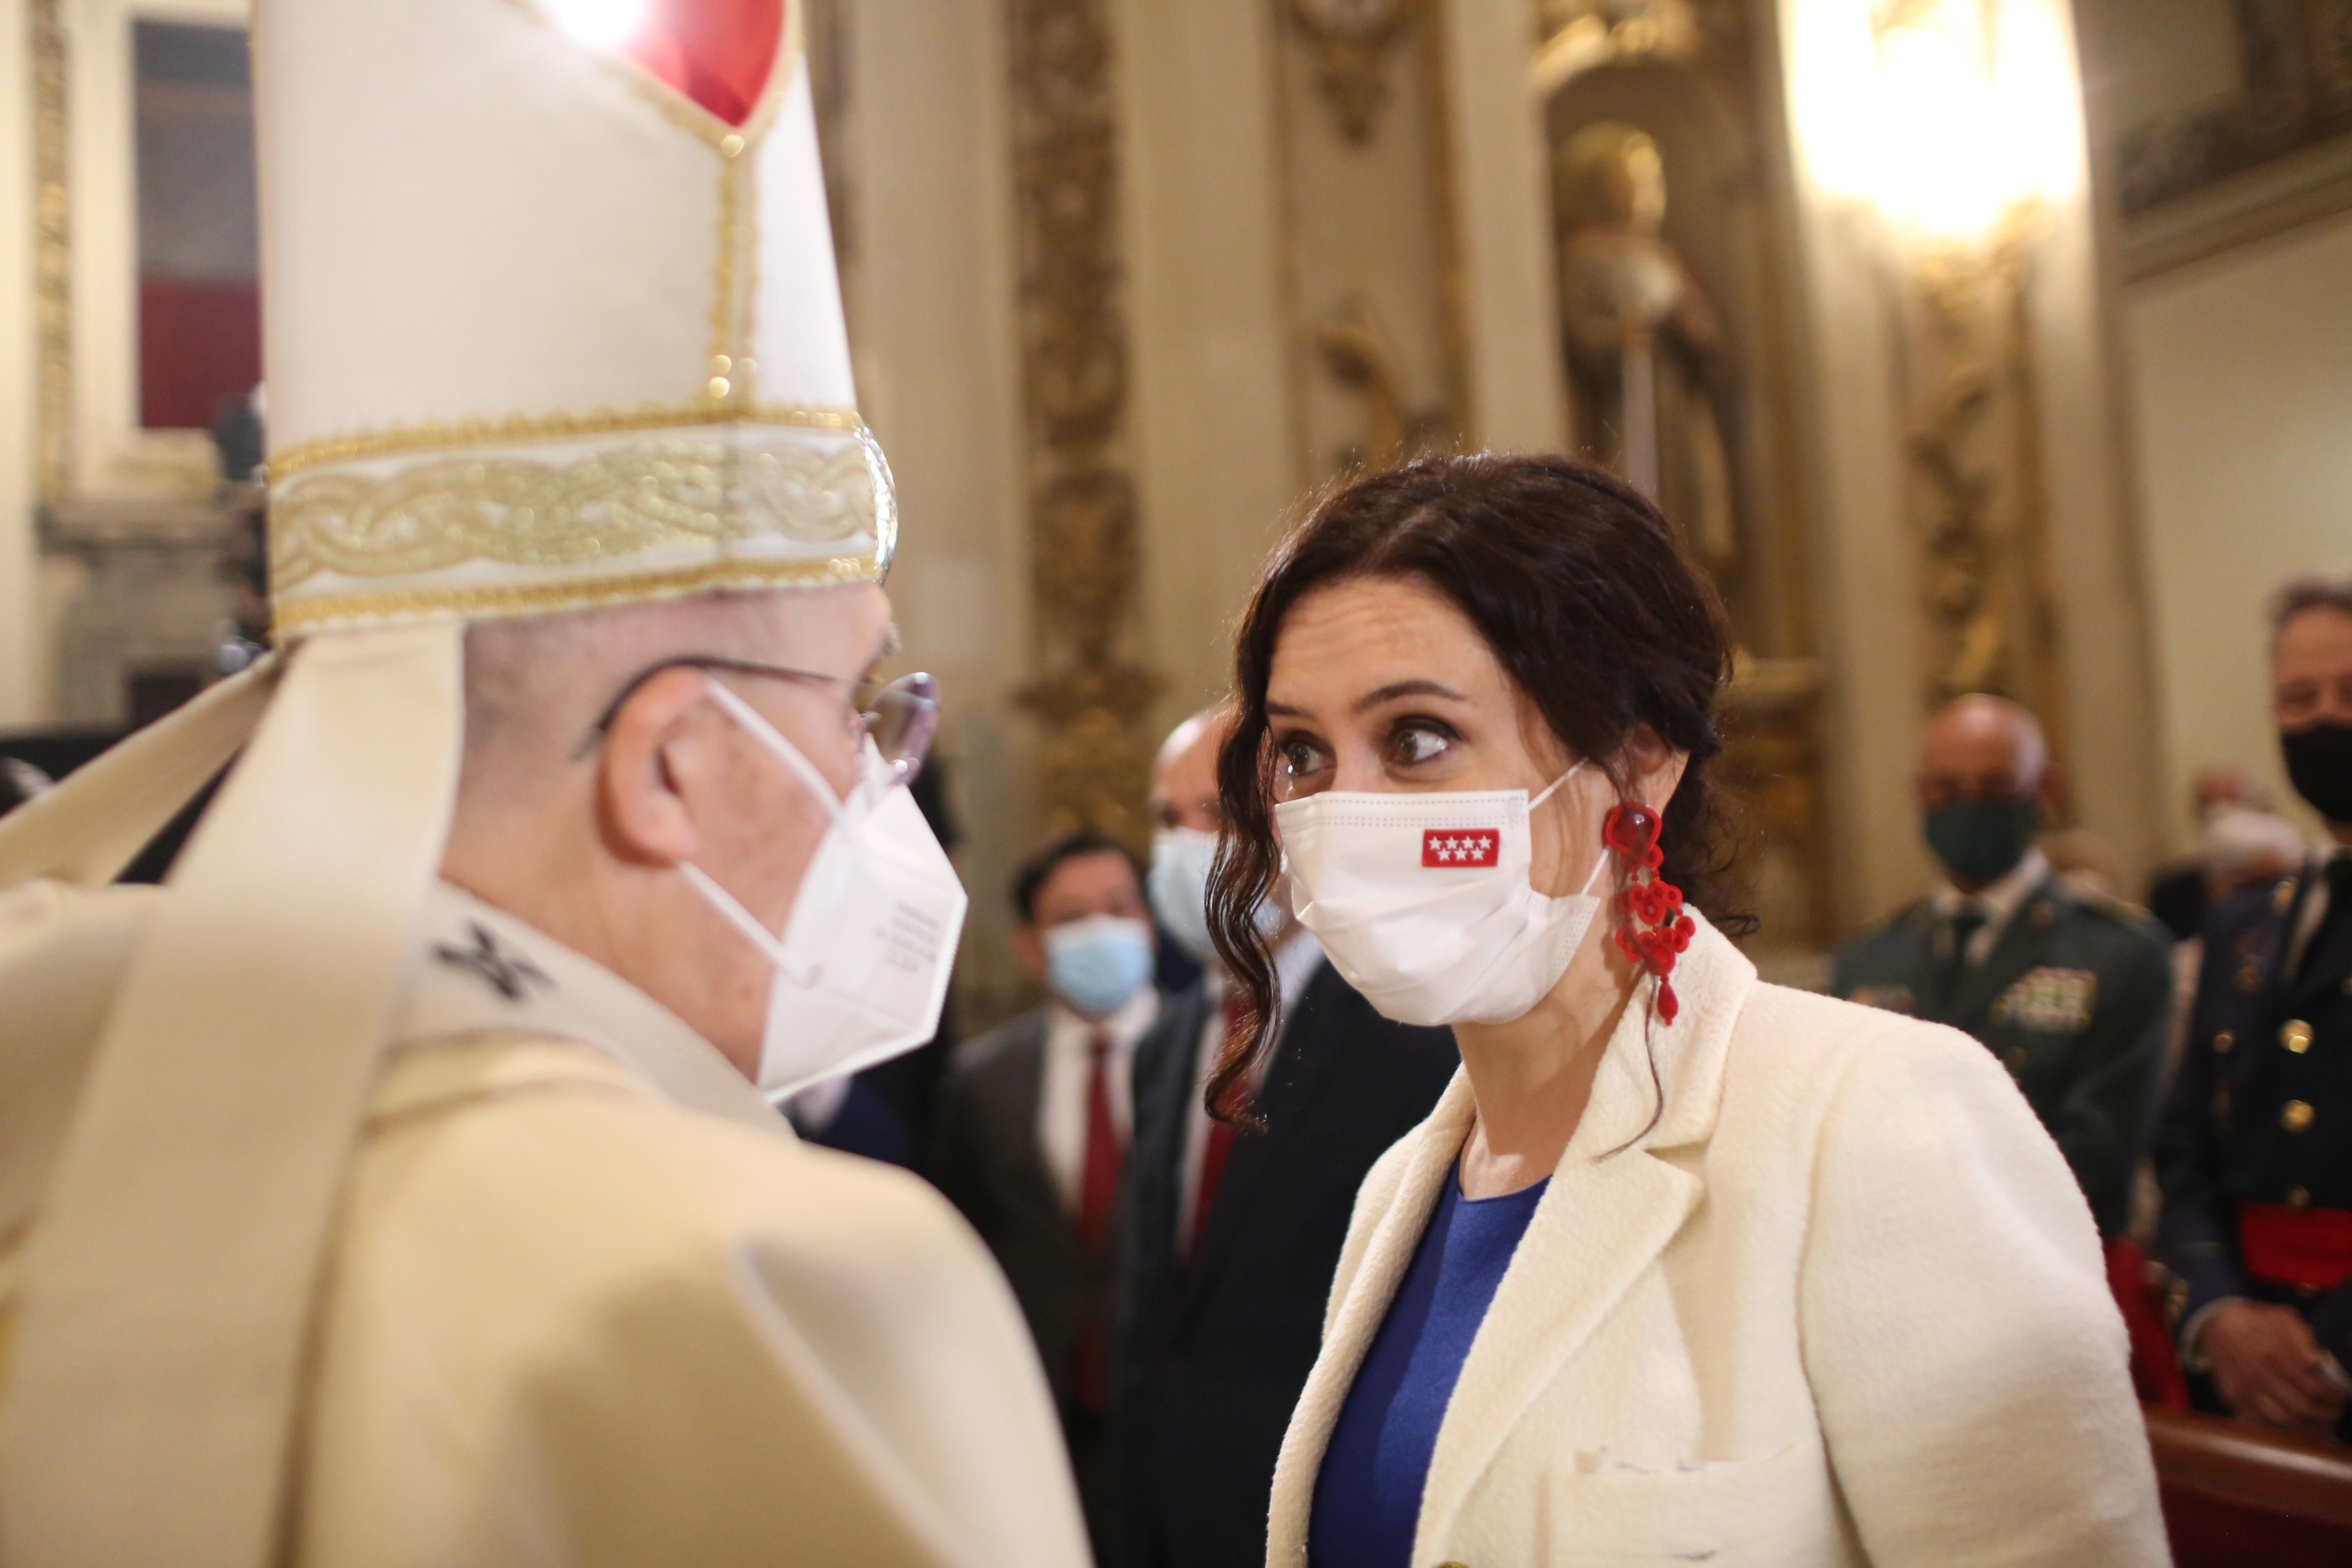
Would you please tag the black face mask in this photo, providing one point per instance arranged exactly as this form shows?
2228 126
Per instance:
1981 841
2319 764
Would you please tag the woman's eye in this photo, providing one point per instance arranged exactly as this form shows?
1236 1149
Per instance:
1413 744
1301 758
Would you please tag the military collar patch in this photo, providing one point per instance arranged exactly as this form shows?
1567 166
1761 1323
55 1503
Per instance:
511 975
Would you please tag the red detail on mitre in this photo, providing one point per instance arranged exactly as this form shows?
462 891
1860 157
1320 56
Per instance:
717 52
1446 848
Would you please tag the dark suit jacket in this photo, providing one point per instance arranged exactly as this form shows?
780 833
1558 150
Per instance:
1217 1349
2075 998
2261 1042
987 1164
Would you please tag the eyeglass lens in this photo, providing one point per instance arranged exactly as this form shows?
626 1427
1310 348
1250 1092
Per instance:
904 716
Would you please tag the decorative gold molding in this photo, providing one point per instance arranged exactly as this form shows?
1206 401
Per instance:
1092 697
551 427
52 256
1352 40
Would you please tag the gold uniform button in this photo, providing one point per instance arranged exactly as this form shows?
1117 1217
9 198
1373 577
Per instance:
2296 1116
2282 896
2298 1197
2223 1042
2295 1035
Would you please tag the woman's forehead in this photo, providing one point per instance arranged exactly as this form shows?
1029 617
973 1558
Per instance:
1367 633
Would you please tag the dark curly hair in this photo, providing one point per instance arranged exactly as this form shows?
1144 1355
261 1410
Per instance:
1583 595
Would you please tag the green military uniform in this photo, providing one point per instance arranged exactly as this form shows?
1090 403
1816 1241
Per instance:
2074 998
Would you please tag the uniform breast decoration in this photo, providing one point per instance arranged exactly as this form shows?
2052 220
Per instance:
2051 1001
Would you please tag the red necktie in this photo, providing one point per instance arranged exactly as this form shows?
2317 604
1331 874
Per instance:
1104 1154
1219 1145
1100 1191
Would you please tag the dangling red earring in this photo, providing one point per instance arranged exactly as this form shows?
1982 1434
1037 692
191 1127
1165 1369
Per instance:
1633 832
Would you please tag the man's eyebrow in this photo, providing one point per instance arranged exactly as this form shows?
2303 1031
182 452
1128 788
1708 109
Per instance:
1397 689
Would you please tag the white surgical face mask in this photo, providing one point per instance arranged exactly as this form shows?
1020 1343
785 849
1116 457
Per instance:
1178 886
1423 900
862 966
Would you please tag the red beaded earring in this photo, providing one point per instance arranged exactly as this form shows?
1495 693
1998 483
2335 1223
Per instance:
1633 832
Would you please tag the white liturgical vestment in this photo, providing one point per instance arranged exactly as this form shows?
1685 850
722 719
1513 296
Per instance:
590 1301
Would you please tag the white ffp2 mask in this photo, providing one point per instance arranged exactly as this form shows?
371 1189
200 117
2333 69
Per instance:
862 967
1423 900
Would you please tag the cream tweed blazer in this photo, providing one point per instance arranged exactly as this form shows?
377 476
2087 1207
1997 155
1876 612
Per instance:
1842 1304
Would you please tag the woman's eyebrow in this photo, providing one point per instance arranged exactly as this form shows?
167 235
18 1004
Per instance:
1395 689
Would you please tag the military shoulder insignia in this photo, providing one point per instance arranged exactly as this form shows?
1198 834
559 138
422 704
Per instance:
1886 999
2053 1001
511 975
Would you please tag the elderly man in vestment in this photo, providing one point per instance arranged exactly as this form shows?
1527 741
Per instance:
401 1184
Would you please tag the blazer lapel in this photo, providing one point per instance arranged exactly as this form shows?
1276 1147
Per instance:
1613 1207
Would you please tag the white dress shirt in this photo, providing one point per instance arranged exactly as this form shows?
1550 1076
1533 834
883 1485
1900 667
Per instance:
1996 900
1293 965
1062 1088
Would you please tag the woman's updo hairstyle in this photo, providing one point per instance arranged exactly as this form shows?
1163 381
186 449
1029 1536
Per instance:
1582 594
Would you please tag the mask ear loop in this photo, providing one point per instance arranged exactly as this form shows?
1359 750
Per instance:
1600 860
719 897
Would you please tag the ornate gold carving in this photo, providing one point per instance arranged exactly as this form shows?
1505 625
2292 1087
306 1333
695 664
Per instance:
2296 91
549 427
611 504
1772 766
1977 456
1352 39
300 615
1578 36
52 257
1091 696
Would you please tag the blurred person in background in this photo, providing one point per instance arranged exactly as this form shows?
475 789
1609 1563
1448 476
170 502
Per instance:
2178 895
1236 1238
2254 1155
1033 1122
2072 993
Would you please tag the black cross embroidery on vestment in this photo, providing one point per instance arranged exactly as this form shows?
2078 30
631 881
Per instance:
507 974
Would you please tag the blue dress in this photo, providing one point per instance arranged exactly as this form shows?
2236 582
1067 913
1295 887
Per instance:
1368 1493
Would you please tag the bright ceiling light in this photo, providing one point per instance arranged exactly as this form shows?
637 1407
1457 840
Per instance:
600 23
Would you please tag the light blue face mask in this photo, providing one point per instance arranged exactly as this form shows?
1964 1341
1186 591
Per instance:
1178 887
1094 964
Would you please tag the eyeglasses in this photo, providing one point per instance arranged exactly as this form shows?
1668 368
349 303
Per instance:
899 717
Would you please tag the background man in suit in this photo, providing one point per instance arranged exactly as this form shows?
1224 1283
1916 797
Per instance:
1235 1239
2073 993
2255 1152
1034 1118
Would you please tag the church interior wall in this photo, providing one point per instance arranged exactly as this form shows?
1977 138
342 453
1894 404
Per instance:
24 649
2242 379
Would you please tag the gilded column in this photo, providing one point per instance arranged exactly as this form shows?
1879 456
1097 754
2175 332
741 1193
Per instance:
1091 696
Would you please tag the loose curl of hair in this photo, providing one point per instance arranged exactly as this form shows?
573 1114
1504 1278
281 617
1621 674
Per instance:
1582 594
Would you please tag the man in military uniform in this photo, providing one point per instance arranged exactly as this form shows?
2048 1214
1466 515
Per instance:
2073 993
2255 1149
401 1184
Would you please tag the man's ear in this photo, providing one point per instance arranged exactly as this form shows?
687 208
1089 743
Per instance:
654 745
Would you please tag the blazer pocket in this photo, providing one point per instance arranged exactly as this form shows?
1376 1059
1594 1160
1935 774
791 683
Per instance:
1772 1510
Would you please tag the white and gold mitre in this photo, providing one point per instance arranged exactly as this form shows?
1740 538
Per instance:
552 315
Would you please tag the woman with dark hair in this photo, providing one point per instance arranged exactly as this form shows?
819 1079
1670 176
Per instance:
1684 1265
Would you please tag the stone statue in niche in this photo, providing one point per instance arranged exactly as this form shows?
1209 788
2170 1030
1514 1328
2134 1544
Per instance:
1642 344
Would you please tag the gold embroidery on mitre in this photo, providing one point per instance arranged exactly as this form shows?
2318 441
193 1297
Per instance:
603 507
293 617
439 435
